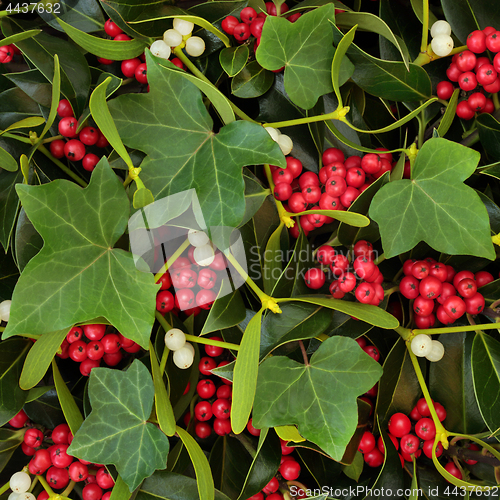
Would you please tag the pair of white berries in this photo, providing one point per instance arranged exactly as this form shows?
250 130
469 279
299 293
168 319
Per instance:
203 253
442 43
195 46
5 310
20 483
284 142
423 346
175 340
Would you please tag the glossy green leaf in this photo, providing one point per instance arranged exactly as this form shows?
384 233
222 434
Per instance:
204 479
103 281
489 134
255 195
10 440
163 485
103 119
207 162
31 122
85 15
351 218
216 97
252 81
40 51
486 376
449 114
245 375
321 397
164 411
120 490
451 383
339 56
273 258
387 79
225 312
233 59
7 162
56 96
19 37
39 358
12 355
68 405
295 46
355 469
36 392
15 105
125 398
365 21
34 84
434 206
46 410
365 312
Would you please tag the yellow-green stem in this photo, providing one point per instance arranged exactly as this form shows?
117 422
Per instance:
425 26
50 139
171 260
46 486
4 488
334 115
218 343
128 180
178 52
68 489
403 332
379 259
496 101
390 291
441 432
457 329
62 166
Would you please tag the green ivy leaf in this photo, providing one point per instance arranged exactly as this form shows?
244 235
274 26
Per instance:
252 81
435 206
78 273
305 48
233 59
116 431
172 126
321 397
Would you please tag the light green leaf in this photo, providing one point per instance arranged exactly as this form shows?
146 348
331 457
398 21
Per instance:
120 490
7 162
39 358
78 273
435 206
31 122
351 218
172 125
56 96
116 431
226 311
449 114
296 46
233 59
68 404
272 260
142 197
245 375
340 51
19 37
101 47
202 470
319 398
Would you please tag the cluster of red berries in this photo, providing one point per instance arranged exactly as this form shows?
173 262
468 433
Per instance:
7 53
131 68
74 149
361 275
471 71
438 291
89 344
340 181
408 443
195 287
371 395
289 470
49 456
251 23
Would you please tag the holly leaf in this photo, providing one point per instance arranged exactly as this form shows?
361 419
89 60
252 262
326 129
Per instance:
78 275
172 126
435 206
116 431
305 48
321 397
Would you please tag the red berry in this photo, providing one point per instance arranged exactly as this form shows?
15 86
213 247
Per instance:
290 470
241 32
74 150
141 73
229 23
57 148
314 278
399 425
64 109
89 161
67 126
111 28
129 66
464 111
247 15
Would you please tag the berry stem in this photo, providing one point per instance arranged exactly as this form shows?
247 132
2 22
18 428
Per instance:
457 329
405 333
338 114
390 291
62 166
379 259
218 343
69 488
50 139
171 260
304 353
46 486
441 433
496 102
425 26
178 52
4 488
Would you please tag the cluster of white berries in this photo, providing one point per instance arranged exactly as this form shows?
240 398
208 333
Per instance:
442 43
195 46
175 340
203 253
5 310
284 142
423 346
20 483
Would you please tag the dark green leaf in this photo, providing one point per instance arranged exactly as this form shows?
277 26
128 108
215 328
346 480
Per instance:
93 261
133 445
489 134
28 242
449 114
211 164
252 81
435 206
486 376
255 195
85 15
273 260
451 382
9 442
46 410
12 398
319 398
9 202
295 46
9 274
15 105
233 59
225 312
34 84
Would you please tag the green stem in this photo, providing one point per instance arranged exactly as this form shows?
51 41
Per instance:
68 489
390 291
403 332
495 101
178 52
171 260
379 259
50 139
62 166
4 488
218 343
421 130
441 432
46 486
425 26
457 329
128 180
334 115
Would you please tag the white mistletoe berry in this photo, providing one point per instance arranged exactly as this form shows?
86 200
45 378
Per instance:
285 144
20 482
442 45
195 46
204 255
183 358
440 28
172 38
197 238
183 27
175 339
26 496
437 351
273 132
421 345
160 49
5 310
